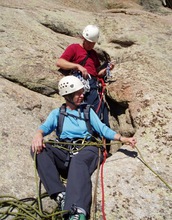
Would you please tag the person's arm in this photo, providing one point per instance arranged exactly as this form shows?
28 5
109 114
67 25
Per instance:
65 61
37 142
107 132
102 72
44 129
126 140
66 65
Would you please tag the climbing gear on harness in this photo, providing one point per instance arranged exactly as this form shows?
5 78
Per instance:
108 73
73 149
85 82
79 75
60 200
91 33
69 84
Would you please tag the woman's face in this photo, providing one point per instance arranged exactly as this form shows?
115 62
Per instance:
78 97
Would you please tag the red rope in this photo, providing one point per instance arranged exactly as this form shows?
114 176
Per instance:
102 185
101 94
105 153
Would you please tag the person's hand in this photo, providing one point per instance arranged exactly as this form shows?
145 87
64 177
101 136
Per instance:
103 72
129 140
37 142
84 72
126 140
111 65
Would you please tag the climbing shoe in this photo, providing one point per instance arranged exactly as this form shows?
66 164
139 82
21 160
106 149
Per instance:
77 217
60 200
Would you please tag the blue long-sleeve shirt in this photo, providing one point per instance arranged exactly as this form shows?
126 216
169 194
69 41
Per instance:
75 127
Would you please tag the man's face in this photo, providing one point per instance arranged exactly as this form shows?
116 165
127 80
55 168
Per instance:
88 45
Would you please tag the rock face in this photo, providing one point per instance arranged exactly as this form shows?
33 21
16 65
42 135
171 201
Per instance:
137 35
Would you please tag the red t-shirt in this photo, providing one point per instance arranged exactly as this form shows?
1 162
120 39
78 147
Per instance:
76 53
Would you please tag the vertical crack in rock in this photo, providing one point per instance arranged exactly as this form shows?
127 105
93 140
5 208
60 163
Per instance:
122 116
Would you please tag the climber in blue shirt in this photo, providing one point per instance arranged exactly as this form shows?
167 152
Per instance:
53 162
73 128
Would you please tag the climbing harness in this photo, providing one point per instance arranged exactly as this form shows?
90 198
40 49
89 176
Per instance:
62 114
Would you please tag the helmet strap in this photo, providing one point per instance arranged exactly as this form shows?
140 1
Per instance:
69 98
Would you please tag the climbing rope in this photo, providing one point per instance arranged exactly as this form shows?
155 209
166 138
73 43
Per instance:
156 174
103 85
102 180
24 209
31 208
27 208
94 201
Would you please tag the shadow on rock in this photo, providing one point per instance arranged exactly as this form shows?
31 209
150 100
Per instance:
128 153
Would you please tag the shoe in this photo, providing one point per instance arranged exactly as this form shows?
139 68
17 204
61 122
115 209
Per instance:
77 217
60 200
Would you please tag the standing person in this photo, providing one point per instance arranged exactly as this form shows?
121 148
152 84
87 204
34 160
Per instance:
83 59
51 161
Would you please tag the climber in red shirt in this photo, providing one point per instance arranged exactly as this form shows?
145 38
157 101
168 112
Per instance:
83 61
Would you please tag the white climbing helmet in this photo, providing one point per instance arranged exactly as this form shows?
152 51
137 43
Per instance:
91 33
69 84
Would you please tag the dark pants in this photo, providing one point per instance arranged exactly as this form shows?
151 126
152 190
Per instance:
93 98
50 165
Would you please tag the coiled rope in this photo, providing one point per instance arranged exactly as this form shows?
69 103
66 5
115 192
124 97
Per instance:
31 208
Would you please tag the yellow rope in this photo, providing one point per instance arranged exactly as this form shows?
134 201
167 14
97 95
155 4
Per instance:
30 208
156 174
